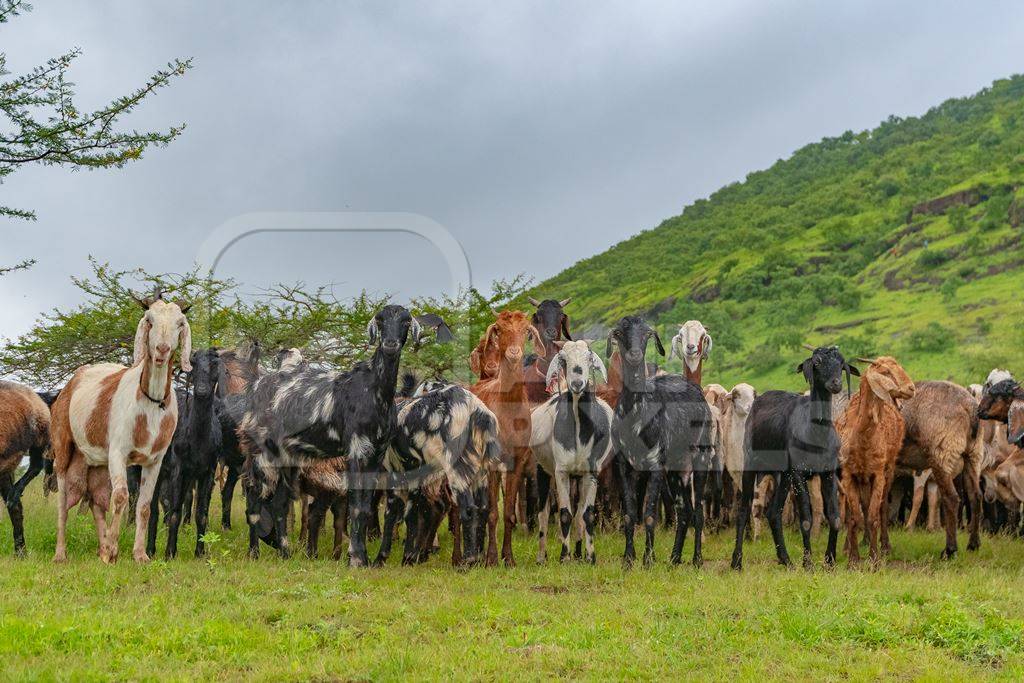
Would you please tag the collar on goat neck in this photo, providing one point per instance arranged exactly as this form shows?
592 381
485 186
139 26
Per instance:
154 382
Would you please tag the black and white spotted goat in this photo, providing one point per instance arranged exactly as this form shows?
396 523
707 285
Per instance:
445 442
571 440
305 412
661 433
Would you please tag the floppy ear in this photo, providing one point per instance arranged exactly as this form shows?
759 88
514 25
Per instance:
185 340
805 368
882 386
608 348
415 330
598 364
673 348
372 331
474 362
657 342
538 341
553 368
707 347
141 341
565 327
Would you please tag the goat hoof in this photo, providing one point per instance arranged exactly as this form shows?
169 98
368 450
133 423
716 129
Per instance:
108 555
698 562
509 561
948 554
60 557
737 562
19 552
141 557
592 558
808 564
628 561
974 544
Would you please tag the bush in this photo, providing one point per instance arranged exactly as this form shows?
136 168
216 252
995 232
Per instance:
932 339
931 258
949 287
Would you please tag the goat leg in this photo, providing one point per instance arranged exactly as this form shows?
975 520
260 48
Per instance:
803 508
14 509
628 477
227 493
774 515
393 509
651 503
544 511
700 478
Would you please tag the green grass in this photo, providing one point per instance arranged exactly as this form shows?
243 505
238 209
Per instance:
918 617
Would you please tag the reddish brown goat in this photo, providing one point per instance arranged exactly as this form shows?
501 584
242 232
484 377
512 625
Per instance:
505 396
872 431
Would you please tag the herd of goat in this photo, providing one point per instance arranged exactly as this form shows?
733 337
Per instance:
536 433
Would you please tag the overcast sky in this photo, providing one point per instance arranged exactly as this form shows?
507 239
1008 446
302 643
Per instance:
537 135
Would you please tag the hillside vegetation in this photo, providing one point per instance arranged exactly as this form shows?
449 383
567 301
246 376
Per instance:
904 240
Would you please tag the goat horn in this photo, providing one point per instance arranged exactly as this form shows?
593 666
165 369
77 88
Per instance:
140 302
183 305
564 302
864 360
533 301
808 347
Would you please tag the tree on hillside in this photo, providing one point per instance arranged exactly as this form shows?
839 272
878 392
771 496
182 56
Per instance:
44 126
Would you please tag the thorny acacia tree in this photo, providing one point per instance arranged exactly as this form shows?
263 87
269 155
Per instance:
44 126
329 330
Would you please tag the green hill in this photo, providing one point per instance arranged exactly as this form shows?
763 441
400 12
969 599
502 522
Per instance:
902 240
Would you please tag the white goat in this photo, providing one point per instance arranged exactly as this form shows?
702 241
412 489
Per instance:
571 440
693 345
109 417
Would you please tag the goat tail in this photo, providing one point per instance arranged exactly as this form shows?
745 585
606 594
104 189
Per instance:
409 383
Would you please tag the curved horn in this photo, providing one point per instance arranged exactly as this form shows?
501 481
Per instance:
533 301
864 360
141 302
183 305
808 347
564 302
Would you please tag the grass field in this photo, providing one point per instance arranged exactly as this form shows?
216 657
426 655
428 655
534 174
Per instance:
918 617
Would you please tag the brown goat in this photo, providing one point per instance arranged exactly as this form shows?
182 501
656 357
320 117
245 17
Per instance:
872 431
24 430
942 434
505 395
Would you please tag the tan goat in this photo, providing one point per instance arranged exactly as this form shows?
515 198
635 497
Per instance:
872 431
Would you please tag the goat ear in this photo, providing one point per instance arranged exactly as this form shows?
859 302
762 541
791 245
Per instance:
416 330
553 368
141 349
852 370
608 346
538 341
657 343
707 347
185 339
598 364
565 327
474 362
371 331
882 386
674 348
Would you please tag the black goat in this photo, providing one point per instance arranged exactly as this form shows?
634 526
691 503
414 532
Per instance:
661 433
445 440
791 437
192 458
238 371
309 413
